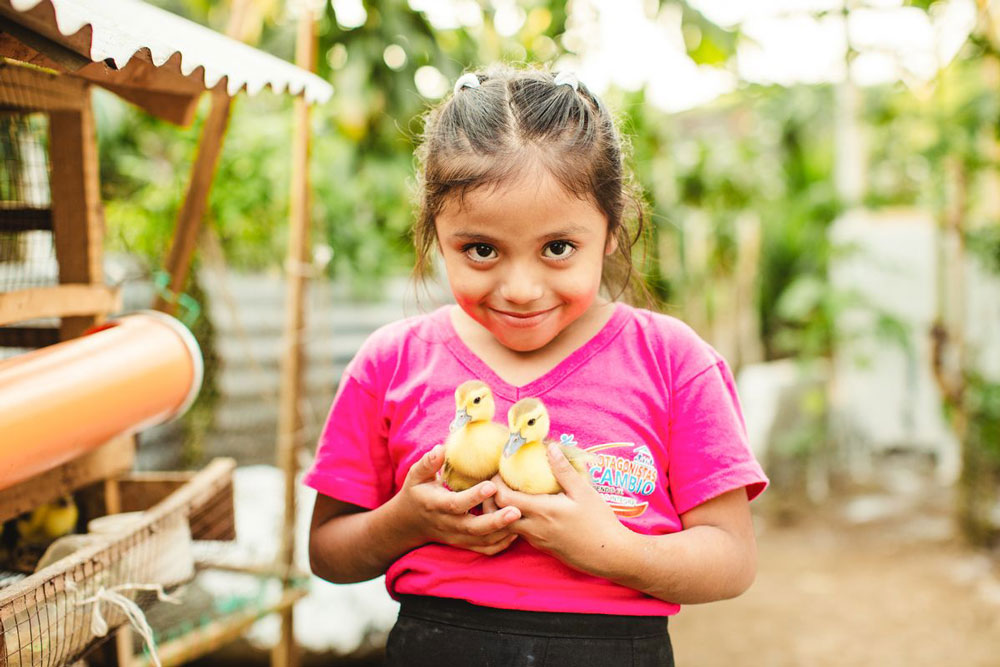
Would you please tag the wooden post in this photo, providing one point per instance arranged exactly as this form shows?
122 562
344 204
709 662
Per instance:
196 200
209 148
77 216
289 417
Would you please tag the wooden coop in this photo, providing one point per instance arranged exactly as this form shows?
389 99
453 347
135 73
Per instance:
60 333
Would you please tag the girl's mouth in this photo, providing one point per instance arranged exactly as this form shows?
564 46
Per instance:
522 320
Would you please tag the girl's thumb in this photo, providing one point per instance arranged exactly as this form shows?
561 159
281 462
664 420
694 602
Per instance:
429 464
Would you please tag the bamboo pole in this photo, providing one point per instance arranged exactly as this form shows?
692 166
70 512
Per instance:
289 418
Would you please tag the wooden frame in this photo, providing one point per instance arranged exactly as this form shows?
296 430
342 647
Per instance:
32 89
60 301
45 71
107 461
77 215
157 90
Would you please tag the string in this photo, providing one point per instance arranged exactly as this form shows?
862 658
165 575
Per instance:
132 611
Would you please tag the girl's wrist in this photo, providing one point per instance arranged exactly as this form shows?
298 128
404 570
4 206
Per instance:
398 528
609 556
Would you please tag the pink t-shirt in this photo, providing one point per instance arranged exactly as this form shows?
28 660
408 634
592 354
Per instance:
654 402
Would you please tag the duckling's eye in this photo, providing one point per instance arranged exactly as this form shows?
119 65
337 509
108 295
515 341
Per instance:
531 422
480 252
477 399
559 250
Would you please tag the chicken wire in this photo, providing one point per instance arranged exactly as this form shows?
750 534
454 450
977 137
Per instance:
27 250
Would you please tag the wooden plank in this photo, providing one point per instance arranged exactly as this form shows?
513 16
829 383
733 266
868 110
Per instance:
177 108
112 458
196 200
59 301
21 218
28 336
32 89
212 520
27 45
77 215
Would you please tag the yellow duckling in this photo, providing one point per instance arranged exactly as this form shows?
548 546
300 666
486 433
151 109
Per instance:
472 450
48 521
524 465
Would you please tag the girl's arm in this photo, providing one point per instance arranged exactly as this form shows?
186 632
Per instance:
713 558
348 543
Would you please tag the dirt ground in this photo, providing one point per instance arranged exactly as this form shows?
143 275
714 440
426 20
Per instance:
876 577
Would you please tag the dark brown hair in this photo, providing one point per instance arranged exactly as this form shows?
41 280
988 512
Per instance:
480 136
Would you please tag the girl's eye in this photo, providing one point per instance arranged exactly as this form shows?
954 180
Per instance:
559 250
480 252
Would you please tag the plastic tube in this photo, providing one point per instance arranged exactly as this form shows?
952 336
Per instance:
61 401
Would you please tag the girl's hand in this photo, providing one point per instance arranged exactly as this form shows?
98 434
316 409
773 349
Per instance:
575 526
439 515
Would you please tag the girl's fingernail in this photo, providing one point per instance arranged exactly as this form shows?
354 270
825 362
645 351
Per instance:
510 514
488 489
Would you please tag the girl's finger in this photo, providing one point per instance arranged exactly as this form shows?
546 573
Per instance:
490 523
463 501
426 468
492 549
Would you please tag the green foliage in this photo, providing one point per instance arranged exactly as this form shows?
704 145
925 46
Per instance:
983 401
765 151
706 42
146 166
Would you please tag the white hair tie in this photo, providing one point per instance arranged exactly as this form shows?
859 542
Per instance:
467 80
567 79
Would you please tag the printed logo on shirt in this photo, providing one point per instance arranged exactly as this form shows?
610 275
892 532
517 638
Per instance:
623 482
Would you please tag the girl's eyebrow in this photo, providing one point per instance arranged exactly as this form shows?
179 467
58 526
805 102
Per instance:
472 236
478 237
572 230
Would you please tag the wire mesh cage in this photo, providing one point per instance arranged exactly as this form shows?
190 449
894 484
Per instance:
51 617
27 249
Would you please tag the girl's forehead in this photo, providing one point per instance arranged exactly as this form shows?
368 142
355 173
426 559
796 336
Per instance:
534 202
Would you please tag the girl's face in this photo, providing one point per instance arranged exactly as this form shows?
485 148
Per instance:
524 259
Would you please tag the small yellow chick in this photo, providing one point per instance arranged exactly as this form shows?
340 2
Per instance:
472 450
48 521
524 465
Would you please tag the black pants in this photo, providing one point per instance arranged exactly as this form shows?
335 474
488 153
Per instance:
437 632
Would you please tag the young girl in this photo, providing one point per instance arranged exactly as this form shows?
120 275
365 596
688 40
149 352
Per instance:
523 193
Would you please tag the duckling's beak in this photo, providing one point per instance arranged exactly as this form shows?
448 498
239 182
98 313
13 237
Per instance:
461 419
513 444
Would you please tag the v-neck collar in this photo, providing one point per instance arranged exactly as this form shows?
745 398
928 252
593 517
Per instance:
547 380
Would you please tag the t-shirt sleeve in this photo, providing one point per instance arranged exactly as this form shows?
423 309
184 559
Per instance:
709 451
352 461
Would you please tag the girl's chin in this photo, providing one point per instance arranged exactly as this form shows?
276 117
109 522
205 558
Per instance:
523 344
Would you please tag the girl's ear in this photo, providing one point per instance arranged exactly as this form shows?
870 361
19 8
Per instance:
611 245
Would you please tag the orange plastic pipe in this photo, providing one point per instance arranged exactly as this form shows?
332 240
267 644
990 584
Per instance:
60 401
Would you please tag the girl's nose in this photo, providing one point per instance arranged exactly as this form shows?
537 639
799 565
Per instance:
521 287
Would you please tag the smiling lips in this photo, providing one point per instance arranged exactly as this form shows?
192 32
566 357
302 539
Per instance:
522 320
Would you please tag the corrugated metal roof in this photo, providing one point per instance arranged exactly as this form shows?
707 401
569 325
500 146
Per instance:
115 31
